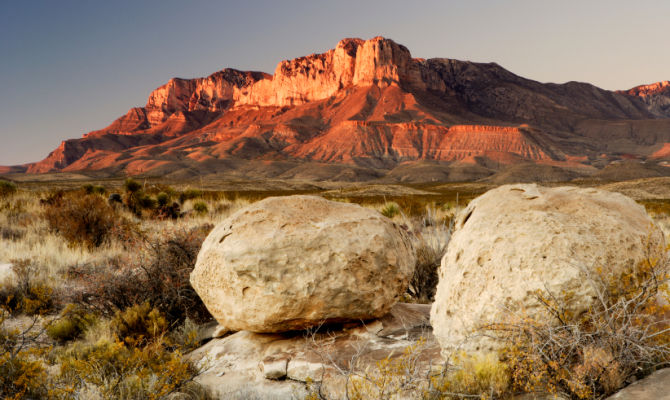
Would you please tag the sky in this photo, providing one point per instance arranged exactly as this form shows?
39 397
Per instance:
68 67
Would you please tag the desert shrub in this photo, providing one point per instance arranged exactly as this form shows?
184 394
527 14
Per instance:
423 283
114 198
71 324
53 198
93 189
390 210
430 243
131 185
625 335
139 324
30 294
200 207
477 376
189 194
172 211
162 199
146 202
161 279
113 370
187 335
81 220
22 373
7 188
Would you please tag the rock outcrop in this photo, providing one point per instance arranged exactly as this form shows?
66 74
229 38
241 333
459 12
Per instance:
656 96
516 240
287 263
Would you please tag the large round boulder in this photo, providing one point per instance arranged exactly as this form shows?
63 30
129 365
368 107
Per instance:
516 241
287 263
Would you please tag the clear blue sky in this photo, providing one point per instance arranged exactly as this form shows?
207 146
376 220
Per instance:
69 67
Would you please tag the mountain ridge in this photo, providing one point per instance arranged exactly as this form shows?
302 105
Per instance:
369 104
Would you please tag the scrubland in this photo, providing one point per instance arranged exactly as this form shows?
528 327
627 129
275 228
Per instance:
97 303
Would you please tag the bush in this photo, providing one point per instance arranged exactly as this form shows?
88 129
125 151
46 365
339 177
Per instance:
139 325
81 220
187 336
91 189
472 376
200 207
116 371
71 325
162 281
423 283
30 295
162 199
390 210
430 243
131 185
22 374
625 335
7 188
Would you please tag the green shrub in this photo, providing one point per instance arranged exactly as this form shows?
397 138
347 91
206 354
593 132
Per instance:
94 189
87 188
162 199
7 188
146 202
71 325
131 185
81 220
139 324
200 207
470 376
390 210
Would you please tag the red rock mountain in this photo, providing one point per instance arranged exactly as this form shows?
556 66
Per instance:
363 109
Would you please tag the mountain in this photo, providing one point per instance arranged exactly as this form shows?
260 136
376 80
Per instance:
364 110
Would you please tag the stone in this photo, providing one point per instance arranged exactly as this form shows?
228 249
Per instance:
250 365
275 367
289 263
303 371
516 240
654 387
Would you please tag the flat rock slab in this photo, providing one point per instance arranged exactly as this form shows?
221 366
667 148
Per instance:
276 365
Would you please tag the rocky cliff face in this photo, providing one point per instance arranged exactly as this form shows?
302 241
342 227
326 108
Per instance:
369 103
656 96
213 93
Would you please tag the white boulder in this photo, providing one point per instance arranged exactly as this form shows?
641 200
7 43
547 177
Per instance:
287 263
518 240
